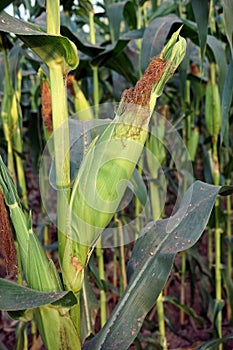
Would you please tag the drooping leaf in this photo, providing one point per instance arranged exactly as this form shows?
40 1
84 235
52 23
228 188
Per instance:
165 8
212 344
227 15
151 263
201 13
227 98
188 310
16 297
52 49
112 55
130 15
219 57
115 16
155 36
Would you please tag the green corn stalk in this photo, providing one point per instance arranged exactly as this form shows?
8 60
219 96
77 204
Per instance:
109 163
213 121
55 324
12 120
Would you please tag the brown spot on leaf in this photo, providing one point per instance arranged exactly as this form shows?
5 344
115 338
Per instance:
77 264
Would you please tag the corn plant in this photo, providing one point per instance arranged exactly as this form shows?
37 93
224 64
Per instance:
89 204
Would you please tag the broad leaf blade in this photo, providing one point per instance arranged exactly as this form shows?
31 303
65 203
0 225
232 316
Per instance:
201 13
15 297
151 263
227 98
227 15
155 36
218 52
52 49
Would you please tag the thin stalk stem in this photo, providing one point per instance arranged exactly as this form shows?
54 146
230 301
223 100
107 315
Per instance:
210 248
122 257
156 214
103 306
229 252
61 146
218 277
61 151
160 313
182 287
94 68
53 17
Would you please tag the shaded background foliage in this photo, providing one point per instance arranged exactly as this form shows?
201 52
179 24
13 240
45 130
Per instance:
127 35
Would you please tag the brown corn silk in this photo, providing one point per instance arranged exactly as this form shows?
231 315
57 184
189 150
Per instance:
140 94
7 247
46 109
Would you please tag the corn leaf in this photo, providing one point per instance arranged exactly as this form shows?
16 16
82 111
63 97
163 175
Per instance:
227 98
216 52
201 13
151 263
15 297
155 36
227 15
111 56
52 49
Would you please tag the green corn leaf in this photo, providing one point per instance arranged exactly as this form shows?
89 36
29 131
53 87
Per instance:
227 15
151 263
188 310
227 98
155 36
216 53
212 344
15 297
201 13
52 49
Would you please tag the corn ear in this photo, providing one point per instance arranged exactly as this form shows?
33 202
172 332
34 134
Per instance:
192 143
63 334
213 114
36 266
110 162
